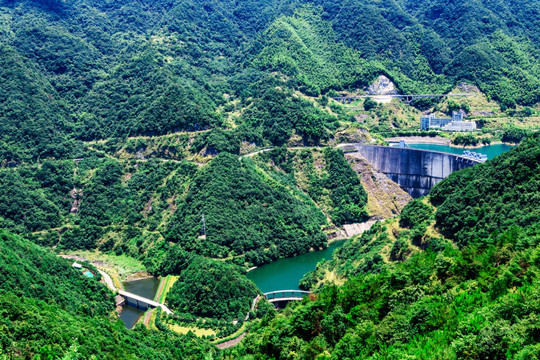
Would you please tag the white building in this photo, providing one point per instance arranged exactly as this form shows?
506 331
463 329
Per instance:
460 126
456 123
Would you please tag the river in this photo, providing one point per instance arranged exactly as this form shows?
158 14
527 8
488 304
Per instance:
284 274
490 150
146 288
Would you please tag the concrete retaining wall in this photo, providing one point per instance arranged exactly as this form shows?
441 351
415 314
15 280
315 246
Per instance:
415 171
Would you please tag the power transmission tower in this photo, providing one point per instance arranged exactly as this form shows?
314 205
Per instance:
203 223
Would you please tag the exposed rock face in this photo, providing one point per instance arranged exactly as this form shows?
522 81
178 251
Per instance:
352 135
147 208
385 197
382 86
351 230
468 88
76 195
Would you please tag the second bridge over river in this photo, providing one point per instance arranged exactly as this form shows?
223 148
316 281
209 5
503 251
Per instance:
285 295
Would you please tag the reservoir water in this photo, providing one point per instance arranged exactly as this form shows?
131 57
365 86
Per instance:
146 288
490 150
284 274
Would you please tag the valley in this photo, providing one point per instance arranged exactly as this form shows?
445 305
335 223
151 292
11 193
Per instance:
264 179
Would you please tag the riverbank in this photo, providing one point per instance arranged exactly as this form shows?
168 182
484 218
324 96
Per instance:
165 285
436 140
123 267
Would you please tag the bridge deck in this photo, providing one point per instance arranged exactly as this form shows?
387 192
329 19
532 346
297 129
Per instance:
401 96
144 300
285 299
285 294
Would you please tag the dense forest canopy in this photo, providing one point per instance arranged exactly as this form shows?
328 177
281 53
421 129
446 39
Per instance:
85 70
50 310
410 293
211 289
244 214
197 139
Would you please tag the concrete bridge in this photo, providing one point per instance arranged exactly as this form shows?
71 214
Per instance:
131 299
141 302
285 295
406 98
275 297
415 171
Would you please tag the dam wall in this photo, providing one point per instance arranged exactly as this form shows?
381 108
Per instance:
415 171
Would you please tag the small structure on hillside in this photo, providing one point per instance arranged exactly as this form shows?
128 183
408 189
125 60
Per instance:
456 123
76 265
88 274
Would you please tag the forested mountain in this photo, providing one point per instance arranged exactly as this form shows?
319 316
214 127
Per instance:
50 311
125 123
410 291
245 215
86 70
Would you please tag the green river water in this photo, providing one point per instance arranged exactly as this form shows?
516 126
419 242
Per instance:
284 274
146 288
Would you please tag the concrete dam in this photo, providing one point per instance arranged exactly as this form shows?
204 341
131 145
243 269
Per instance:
415 171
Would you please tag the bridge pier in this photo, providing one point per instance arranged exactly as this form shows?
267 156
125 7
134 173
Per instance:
136 303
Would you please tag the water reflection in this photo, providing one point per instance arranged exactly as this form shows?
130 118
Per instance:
284 274
146 288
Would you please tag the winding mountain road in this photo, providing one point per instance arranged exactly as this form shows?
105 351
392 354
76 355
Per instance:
108 280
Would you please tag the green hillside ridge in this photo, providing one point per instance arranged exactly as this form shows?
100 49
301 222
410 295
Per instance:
409 291
303 46
245 214
213 290
122 123
51 311
137 207
137 69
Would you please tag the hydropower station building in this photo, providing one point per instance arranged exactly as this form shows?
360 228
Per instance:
455 123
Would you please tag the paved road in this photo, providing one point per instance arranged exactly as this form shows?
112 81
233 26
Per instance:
272 148
108 280
231 343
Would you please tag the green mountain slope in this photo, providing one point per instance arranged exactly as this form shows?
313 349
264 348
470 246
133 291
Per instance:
138 207
103 70
245 214
122 123
33 119
303 46
50 310
410 293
